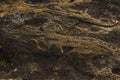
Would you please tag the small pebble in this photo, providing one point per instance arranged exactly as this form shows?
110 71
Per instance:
15 69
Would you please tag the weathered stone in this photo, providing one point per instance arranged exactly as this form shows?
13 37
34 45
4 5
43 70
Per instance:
58 41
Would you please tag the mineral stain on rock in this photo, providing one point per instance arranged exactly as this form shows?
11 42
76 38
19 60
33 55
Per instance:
60 39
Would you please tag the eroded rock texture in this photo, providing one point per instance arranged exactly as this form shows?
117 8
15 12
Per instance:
59 40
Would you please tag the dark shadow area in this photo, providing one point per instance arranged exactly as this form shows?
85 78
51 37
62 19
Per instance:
116 70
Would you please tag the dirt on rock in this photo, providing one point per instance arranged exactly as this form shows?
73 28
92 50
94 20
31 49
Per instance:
59 40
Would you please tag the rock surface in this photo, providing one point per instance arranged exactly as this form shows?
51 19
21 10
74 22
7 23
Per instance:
59 40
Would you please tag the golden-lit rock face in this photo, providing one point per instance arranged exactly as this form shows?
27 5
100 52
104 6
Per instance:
59 40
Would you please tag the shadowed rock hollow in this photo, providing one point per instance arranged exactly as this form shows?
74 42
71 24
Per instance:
59 40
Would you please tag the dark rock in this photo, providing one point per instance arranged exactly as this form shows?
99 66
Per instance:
58 42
